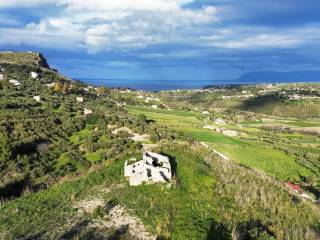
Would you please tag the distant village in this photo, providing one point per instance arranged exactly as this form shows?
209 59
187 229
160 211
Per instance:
156 168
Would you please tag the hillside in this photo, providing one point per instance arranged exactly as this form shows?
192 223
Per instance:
27 58
64 143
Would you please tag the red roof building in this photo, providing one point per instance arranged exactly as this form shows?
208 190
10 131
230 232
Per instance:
294 187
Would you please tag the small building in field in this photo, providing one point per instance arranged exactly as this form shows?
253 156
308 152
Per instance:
205 113
295 188
79 99
219 121
154 106
50 85
229 133
209 127
87 111
1 76
34 75
153 168
14 82
298 190
37 98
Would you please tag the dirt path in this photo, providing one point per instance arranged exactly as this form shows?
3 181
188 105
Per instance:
215 151
135 136
112 216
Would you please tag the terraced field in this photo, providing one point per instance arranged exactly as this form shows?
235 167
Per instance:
242 150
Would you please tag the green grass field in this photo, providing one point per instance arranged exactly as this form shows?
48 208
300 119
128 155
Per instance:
254 155
164 209
79 137
272 161
203 202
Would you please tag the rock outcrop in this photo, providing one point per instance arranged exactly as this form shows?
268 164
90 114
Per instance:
28 58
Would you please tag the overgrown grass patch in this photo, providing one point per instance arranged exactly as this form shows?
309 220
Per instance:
268 159
81 136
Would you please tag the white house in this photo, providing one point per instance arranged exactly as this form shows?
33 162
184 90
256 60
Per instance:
37 98
14 82
1 76
148 99
50 85
153 168
154 106
87 111
205 113
34 75
79 99
209 127
230 133
219 121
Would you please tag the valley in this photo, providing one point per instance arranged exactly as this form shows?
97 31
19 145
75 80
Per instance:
63 153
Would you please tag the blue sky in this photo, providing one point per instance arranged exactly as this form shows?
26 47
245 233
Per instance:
165 39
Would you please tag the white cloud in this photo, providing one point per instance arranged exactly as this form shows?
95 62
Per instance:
111 25
263 40
111 5
24 3
121 64
9 21
127 25
248 37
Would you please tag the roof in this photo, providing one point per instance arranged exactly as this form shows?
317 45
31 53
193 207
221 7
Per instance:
294 186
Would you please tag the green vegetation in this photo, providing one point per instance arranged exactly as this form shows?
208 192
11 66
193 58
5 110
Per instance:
42 142
209 198
261 156
62 167
27 58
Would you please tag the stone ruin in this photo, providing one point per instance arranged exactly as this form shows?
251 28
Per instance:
153 168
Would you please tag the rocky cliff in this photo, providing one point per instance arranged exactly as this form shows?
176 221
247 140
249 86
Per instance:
28 58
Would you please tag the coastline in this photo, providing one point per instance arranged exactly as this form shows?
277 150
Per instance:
166 85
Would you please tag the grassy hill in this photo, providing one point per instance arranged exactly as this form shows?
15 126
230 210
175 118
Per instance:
62 170
26 58
209 199
38 144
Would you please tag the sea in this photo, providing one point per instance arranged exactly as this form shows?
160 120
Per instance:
161 85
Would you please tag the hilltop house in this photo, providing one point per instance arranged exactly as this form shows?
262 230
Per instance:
34 75
229 133
293 187
297 189
79 99
153 168
37 98
87 111
219 121
209 127
50 85
14 82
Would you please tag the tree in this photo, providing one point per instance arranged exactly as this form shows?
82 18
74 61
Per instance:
142 118
57 88
102 90
65 88
5 149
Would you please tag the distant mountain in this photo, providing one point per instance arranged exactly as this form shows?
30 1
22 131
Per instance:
27 58
273 76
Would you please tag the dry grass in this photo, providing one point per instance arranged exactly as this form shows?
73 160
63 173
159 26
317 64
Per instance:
256 196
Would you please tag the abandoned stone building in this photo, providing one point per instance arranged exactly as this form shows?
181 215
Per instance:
153 168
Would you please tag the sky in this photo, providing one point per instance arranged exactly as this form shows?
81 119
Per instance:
165 39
